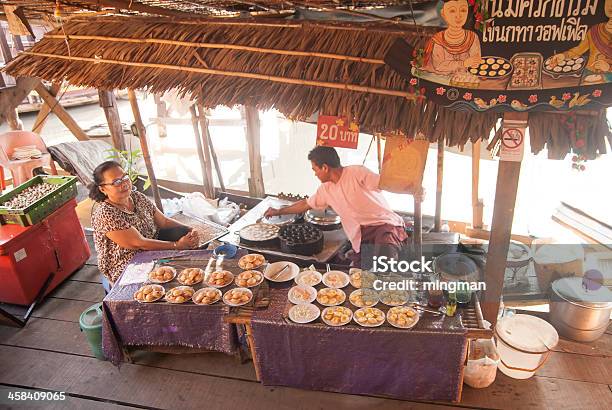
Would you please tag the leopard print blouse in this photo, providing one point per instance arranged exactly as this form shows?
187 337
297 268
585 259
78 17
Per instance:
112 259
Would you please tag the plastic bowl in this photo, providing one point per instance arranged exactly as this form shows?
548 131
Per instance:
227 249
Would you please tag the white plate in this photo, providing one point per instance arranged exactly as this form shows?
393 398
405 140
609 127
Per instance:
181 288
366 276
335 304
314 278
261 279
238 304
368 324
271 272
162 281
343 279
157 287
310 309
190 284
217 291
405 296
212 285
393 309
372 291
350 316
295 299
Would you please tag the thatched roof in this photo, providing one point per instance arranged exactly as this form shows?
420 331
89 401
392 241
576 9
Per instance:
39 9
297 67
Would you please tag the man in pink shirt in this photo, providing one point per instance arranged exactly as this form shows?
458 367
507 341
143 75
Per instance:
353 193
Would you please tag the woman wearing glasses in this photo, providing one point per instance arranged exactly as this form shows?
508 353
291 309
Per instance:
125 221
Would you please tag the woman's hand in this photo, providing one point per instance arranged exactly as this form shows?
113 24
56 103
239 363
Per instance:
189 241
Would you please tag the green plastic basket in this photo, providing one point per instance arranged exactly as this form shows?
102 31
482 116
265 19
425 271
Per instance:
42 208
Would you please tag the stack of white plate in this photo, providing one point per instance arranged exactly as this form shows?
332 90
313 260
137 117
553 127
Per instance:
26 152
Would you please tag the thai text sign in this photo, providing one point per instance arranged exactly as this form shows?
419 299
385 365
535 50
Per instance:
515 56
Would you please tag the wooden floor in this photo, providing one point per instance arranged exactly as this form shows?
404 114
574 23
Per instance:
50 353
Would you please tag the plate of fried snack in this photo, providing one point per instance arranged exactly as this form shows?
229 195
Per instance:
190 276
403 317
302 294
335 279
304 313
337 315
308 278
163 274
363 298
206 296
362 278
238 296
331 297
220 279
249 279
251 261
149 293
369 317
394 297
180 294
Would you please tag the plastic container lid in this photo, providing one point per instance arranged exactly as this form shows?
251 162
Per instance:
583 292
527 333
555 253
92 317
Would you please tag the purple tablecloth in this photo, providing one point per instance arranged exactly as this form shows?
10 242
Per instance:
424 363
129 323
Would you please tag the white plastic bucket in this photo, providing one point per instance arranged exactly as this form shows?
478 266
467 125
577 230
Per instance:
524 343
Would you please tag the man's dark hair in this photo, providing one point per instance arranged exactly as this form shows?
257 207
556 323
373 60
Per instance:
321 155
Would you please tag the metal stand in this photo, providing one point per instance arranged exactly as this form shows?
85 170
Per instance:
17 322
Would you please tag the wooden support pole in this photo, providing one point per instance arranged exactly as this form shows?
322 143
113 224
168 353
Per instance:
205 135
12 118
501 227
208 190
4 47
45 110
144 146
11 97
256 184
477 203
379 153
109 104
213 153
440 176
61 113
162 113
18 43
417 235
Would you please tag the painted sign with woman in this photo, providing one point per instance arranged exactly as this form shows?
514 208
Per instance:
509 55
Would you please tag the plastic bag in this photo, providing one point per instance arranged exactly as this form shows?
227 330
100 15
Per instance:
196 205
482 364
226 212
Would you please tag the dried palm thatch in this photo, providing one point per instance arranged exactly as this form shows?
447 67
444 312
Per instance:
40 9
299 68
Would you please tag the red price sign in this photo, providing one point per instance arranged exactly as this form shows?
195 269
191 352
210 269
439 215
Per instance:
337 132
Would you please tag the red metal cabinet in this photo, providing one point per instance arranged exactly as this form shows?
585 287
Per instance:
29 254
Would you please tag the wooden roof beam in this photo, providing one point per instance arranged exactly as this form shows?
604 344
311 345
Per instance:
139 7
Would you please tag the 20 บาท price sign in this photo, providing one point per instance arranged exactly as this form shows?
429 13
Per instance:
335 131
